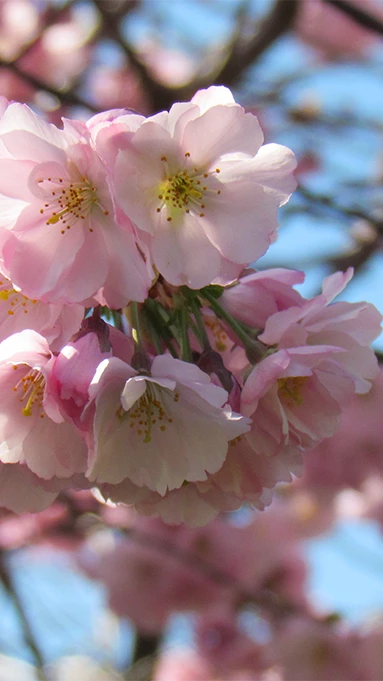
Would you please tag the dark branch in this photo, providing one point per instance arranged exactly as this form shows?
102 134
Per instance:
361 17
278 22
240 53
64 97
144 646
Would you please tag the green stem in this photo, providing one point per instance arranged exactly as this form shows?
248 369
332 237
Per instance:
154 336
136 327
155 312
222 314
202 335
186 353
255 351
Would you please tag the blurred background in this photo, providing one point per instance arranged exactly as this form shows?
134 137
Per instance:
92 593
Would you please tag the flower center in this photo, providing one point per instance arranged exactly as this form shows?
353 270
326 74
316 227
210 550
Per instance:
148 413
219 335
69 202
289 389
185 191
17 302
31 390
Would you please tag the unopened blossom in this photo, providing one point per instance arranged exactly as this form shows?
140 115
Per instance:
351 326
59 239
32 429
199 181
159 431
56 322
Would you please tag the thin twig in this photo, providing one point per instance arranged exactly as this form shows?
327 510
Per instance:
7 581
242 55
330 203
361 17
64 96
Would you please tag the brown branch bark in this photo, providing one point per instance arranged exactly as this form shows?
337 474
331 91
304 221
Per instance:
65 97
359 15
243 54
240 53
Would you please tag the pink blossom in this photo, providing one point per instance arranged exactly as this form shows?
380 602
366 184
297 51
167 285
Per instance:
157 570
60 241
309 650
355 451
226 647
116 87
182 665
332 32
21 490
294 397
158 431
169 66
187 176
275 558
259 295
56 322
73 370
19 24
195 503
352 326
61 54
32 430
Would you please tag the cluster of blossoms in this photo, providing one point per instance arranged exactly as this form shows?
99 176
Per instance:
240 581
138 355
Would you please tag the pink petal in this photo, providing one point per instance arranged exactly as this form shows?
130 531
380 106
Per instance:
183 254
221 130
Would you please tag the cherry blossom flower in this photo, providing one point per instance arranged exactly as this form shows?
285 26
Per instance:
146 585
226 646
194 503
294 397
32 430
21 490
312 651
73 370
352 326
56 322
259 295
59 238
158 431
187 176
19 24
355 451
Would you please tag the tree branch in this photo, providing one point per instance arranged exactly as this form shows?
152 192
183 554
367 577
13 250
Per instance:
361 17
65 97
278 22
9 586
